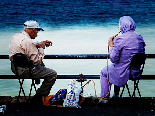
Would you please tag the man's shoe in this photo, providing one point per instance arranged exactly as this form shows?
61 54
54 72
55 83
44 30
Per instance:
36 100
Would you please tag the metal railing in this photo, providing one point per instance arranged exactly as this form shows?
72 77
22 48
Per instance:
78 56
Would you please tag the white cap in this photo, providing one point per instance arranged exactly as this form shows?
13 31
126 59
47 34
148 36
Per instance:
32 24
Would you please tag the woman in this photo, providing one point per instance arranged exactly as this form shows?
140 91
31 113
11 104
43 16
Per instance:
122 48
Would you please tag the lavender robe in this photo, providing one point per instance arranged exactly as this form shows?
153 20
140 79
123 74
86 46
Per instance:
125 46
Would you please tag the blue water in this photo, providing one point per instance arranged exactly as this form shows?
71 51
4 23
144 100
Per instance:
56 13
76 27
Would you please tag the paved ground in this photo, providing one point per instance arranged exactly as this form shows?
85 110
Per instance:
90 107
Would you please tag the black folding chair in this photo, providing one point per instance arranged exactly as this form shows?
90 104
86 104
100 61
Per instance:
20 60
138 60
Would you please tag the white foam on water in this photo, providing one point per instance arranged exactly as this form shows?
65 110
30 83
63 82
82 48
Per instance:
77 40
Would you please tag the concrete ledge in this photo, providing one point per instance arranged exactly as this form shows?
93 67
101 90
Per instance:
90 107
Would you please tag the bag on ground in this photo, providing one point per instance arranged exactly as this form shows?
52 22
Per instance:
72 96
58 98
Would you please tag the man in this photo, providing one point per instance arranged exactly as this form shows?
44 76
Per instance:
22 43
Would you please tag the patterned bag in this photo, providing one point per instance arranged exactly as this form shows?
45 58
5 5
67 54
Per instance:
72 96
58 98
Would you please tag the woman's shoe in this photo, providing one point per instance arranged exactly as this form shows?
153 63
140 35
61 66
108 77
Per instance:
105 100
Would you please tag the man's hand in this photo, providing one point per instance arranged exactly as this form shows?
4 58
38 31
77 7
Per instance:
47 43
41 45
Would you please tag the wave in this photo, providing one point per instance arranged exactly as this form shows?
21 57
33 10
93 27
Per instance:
64 12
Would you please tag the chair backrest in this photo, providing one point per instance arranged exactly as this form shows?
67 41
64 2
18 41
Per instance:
20 60
137 60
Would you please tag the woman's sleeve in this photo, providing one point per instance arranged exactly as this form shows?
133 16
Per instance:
115 51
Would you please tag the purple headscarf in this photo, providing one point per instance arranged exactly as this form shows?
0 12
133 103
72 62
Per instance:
127 23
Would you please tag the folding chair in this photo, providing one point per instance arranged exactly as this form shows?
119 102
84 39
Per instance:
20 60
138 60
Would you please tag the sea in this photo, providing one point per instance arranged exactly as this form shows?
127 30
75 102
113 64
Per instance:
76 27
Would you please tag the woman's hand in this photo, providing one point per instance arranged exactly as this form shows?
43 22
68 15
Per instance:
111 42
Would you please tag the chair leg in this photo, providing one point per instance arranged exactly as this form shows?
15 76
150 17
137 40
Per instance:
122 91
133 95
138 90
127 89
136 87
32 85
21 90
